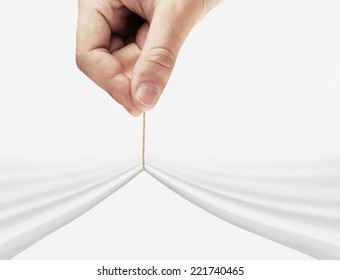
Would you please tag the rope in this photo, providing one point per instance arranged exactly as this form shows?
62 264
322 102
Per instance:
143 144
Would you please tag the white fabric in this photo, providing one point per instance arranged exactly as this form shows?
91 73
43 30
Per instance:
36 200
296 205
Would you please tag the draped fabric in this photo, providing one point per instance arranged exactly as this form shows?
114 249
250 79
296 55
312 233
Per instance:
36 200
297 205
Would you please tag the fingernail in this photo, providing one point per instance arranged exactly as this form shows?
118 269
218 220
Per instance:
148 94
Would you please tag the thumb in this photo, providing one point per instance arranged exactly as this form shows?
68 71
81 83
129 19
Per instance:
170 25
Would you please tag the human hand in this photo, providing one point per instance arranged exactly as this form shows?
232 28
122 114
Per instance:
129 47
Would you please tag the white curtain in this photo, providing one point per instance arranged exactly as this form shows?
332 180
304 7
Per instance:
37 199
297 205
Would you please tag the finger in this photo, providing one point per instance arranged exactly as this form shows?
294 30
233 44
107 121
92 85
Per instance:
169 28
128 56
107 72
119 89
142 34
94 59
116 43
93 30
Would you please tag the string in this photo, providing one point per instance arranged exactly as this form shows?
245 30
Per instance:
143 143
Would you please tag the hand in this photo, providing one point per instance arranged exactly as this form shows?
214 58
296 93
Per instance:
129 47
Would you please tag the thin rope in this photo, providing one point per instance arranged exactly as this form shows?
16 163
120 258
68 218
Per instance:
143 144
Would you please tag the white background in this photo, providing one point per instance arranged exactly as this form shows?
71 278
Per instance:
256 79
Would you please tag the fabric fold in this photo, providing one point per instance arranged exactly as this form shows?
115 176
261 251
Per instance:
36 201
296 205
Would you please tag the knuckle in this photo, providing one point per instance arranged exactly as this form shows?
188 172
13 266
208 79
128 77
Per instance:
80 60
161 56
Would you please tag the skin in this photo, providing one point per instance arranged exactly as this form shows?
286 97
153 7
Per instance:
129 47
